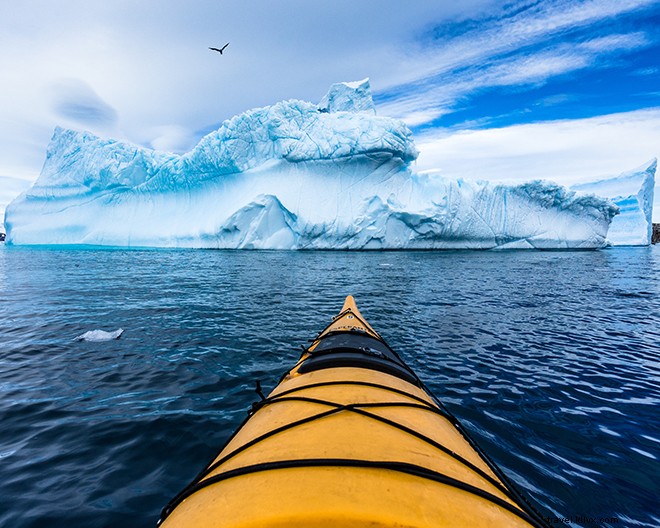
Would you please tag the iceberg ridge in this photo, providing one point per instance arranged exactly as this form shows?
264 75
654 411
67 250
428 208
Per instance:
293 175
632 192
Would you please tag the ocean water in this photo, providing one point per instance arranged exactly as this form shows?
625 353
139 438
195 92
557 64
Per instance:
550 359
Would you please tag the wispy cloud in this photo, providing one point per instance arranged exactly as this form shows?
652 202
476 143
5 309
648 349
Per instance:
148 76
528 44
75 100
566 151
616 42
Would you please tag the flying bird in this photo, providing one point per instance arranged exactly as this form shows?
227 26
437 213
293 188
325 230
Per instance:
220 50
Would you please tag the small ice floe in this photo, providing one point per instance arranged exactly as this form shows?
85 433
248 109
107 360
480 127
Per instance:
100 335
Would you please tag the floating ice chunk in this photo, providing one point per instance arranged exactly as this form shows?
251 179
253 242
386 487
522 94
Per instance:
100 335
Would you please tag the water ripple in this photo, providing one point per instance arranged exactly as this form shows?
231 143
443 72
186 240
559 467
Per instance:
550 359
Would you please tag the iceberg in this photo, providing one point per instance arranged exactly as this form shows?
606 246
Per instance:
293 175
632 192
10 188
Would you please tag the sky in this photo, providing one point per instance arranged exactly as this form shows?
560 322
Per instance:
565 90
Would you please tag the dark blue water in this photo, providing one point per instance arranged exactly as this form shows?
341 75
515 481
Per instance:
551 359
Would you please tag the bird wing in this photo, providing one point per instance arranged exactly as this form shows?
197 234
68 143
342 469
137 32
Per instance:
223 47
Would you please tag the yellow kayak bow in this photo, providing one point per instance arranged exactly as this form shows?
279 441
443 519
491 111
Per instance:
350 438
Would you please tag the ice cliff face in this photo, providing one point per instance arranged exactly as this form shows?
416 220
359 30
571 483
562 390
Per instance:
293 175
632 192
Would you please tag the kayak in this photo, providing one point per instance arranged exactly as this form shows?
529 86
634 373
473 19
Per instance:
350 437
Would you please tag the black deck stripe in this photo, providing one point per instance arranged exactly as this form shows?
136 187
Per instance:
513 489
410 469
520 498
402 392
267 434
356 409
214 465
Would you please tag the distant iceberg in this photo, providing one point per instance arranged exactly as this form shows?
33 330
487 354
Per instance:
294 175
632 193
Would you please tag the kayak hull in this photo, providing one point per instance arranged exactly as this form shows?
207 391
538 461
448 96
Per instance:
348 446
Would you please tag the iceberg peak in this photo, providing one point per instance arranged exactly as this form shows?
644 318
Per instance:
348 97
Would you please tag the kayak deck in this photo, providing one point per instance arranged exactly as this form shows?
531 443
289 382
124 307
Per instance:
349 438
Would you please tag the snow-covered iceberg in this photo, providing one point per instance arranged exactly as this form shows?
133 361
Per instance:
294 175
632 192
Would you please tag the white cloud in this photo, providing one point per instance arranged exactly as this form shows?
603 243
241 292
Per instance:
536 68
503 33
566 151
520 49
433 100
148 61
75 101
172 138
616 42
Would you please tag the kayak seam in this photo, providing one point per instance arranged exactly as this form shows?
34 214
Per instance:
401 467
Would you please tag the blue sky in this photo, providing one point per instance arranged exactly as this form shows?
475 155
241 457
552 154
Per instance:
541 61
567 90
